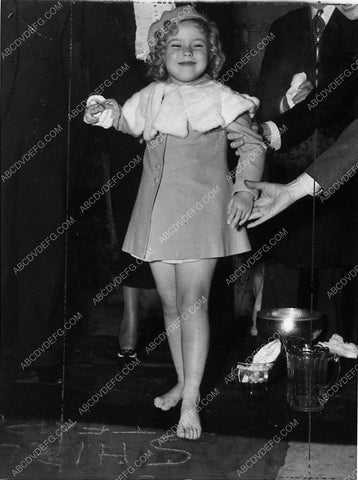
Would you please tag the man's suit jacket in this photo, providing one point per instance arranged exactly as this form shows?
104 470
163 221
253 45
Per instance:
34 101
334 163
337 167
292 52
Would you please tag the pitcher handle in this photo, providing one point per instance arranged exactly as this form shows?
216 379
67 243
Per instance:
323 397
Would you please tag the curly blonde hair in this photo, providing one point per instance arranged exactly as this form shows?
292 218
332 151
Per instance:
216 57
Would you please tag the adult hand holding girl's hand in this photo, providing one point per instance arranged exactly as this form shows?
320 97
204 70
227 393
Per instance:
101 112
274 198
240 208
239 139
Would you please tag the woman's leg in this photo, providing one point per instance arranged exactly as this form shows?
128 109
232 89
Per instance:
193 280
257 283
164 276
128 331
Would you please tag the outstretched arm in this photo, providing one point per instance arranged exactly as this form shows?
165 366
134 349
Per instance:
276 197
107 113
338 161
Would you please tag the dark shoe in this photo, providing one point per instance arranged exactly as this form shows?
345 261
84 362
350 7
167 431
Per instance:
125 353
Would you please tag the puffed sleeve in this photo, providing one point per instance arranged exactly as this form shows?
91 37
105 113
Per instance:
233 104
251 162
139 112
131 120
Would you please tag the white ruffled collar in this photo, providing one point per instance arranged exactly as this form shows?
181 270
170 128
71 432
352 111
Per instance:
169 107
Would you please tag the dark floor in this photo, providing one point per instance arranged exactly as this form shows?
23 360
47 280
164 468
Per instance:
235 426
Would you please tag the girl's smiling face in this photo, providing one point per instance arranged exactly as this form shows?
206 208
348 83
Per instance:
186 55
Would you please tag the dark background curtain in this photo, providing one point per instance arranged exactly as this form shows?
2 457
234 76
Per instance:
45 78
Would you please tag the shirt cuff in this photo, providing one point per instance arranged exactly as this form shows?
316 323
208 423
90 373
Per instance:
289 100
305 183
275 141
285 104
282 108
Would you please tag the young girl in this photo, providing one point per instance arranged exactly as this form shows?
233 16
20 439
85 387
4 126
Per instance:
188 212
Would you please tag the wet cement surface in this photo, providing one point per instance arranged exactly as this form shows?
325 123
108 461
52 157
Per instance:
122 424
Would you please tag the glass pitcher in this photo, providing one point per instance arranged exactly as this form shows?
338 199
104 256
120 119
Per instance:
309 374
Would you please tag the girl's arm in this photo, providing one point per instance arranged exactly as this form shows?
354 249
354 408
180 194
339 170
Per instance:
106 113
249 167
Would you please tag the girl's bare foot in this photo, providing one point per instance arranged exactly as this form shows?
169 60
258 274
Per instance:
189 424
171 398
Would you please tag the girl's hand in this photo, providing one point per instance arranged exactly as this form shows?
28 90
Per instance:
101 112
92 113
111 104
240 208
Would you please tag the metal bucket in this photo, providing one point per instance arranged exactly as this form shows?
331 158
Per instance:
298 322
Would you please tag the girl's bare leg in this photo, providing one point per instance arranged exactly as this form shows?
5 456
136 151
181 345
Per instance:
128 331
164 275
193 280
